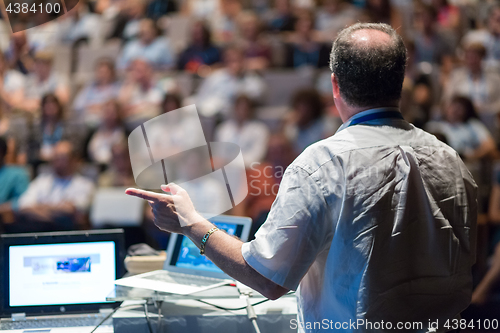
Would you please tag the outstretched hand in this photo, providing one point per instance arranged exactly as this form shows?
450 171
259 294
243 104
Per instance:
172 211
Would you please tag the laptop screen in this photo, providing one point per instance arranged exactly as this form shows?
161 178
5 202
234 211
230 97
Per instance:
187 255
56 274
59 271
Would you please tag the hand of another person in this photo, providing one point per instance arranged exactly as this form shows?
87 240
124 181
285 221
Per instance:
171 212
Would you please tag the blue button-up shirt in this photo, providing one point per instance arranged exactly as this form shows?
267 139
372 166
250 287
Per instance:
376 223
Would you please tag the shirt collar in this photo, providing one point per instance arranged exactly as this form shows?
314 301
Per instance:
365 113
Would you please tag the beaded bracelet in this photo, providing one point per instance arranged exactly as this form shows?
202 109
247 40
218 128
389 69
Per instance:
205 239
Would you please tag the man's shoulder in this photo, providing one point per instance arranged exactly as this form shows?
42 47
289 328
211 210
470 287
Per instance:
369 139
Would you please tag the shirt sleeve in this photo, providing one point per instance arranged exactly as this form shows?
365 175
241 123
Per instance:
294 233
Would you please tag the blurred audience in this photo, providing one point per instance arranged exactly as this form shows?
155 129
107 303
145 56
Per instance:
42 81
481 86
140 94
463 130
149 46
58 200
243 129
306 125
201 50
88 104
119 172
50 129
110 132
303 47
255 47
14 180
281 17
217 92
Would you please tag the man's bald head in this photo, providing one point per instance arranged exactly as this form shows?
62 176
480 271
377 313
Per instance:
369 60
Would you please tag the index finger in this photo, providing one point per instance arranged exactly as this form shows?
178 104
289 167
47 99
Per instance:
147 195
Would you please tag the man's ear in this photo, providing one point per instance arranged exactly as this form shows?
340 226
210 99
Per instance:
335 87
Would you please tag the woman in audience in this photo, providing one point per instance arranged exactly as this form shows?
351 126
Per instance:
256 49
200 52
108 134
464 132
49 130
306 124
90 100
244 130
149 46
303 48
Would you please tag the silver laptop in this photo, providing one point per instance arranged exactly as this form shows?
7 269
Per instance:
58 279
186 271
112 207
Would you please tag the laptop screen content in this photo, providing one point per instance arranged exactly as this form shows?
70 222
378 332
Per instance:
187 255
64 273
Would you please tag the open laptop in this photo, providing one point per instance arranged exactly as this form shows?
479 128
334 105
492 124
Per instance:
112 207
46 275
186 271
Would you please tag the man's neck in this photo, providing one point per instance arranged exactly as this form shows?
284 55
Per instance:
345 116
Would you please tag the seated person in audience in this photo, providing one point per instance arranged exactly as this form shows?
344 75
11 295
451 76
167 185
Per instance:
20 53
333 16
149 46
43 80
129 14
14 182
489 37
243 129
158 8
107 135
171 136
464 132
90 100
382 11
430 44
57 200
481 86
281 17
42 30
14 129
303 47
223 22
201 50
253 43
119 173
483 290
218 91
80 25
306 124
140 95
11 84
448 15
264 179
50 129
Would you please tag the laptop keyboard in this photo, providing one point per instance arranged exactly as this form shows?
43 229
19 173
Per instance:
54 322
185 279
